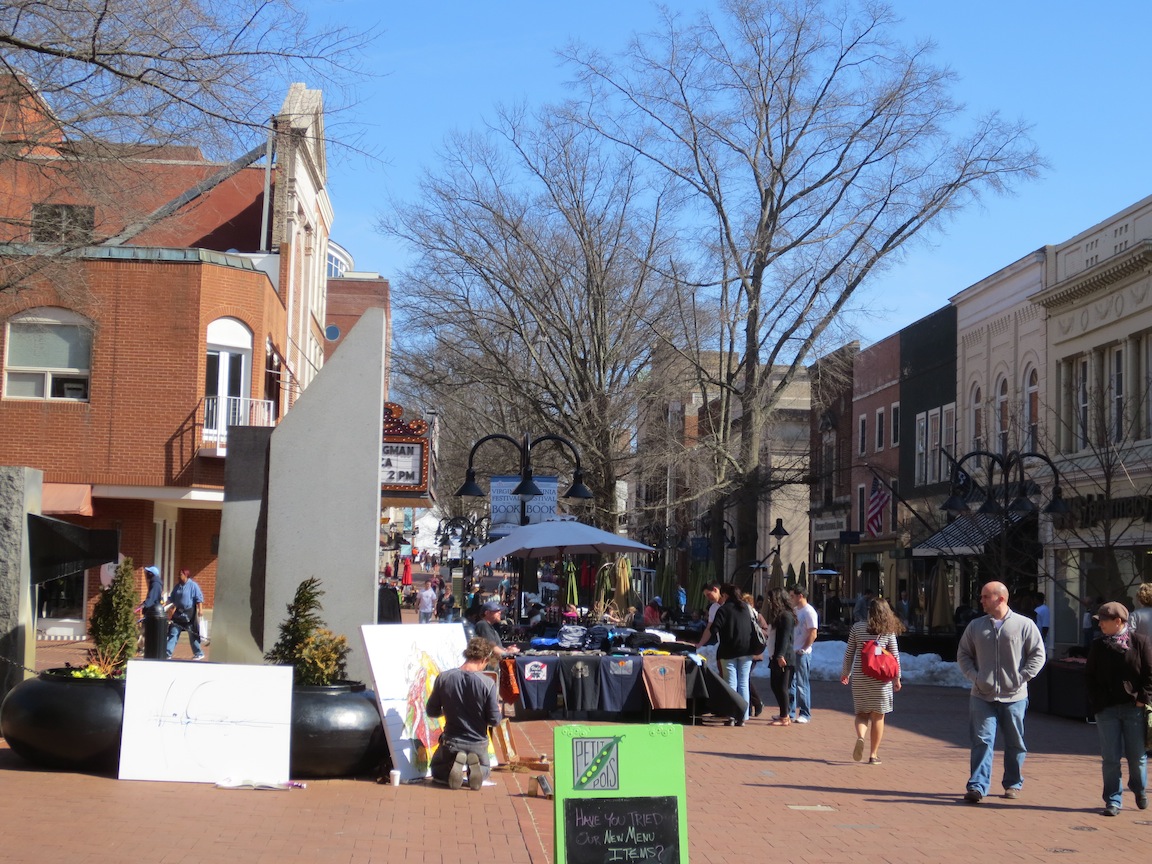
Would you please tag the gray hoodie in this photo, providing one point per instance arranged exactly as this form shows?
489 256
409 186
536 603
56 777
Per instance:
1001 661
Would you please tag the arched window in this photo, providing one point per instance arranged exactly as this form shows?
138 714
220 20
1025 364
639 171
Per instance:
49 355
1032 409
1002 416
227 378
977 419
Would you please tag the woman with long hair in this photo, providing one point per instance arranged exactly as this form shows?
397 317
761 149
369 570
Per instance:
733 625
871 698
780 651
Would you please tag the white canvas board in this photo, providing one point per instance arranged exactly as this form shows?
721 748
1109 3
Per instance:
206 722
405 660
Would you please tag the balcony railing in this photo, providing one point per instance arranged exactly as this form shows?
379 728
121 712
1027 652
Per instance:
221 412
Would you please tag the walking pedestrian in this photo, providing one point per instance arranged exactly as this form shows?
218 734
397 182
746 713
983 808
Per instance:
871 698
999 652
1141 617
188 603
426 604
1119 678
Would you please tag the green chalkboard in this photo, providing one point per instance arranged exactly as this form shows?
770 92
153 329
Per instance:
602 830
620 794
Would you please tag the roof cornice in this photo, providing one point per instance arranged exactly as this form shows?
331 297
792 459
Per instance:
1132 261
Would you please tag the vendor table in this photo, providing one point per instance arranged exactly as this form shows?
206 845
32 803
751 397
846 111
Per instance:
614 685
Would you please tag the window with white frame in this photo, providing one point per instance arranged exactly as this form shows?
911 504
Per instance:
1032 409
879 429
49 355
934 445
947 440
1002 416
863 443
921 449
977 419
1116 393
895 424
228 379
861 508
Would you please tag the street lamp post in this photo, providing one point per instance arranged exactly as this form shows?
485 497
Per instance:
1007 463
526 489
778 533
467 531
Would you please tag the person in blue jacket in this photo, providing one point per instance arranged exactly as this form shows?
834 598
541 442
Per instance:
188 600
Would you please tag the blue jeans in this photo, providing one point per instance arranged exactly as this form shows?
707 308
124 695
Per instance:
801 689
1121 730
737 670
423 617
983 720
193 637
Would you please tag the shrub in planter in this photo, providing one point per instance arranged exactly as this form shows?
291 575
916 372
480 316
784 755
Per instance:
315 653
336 726
71 718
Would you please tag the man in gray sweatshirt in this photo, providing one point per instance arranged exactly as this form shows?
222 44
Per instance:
1000 652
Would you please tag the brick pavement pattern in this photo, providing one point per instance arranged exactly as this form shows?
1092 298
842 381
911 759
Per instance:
778 794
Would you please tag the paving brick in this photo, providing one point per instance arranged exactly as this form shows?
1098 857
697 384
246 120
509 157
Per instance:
782 794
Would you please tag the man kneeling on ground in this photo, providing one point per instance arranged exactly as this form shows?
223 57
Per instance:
466 699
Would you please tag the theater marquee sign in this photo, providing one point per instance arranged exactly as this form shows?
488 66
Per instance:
403 456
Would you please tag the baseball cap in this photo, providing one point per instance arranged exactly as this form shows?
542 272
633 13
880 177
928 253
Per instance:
153 569
1112 610
492 606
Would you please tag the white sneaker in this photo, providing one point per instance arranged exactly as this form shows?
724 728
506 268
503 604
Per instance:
802 720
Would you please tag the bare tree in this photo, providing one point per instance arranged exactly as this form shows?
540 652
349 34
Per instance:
533 304
157 71
809 147
89 88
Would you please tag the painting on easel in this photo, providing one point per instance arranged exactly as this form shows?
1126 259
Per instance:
405 660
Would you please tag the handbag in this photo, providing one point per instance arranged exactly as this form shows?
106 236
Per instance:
759 638
879 663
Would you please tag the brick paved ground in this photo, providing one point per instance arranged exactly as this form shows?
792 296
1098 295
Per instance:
757 793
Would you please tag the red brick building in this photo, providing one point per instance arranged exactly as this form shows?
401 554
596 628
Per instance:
148 302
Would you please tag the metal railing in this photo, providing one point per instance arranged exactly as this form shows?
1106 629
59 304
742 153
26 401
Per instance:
221 412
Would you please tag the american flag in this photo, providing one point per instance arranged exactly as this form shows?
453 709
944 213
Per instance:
877 500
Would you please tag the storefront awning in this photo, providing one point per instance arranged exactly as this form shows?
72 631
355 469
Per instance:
59 548
71 499
967 535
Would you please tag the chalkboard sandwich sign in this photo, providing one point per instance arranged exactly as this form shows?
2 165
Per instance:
620 794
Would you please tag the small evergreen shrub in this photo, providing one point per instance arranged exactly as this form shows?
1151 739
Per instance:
316 654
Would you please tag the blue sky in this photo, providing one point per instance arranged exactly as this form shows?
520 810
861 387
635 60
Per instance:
1077 72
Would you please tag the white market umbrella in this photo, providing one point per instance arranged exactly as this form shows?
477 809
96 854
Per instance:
552 539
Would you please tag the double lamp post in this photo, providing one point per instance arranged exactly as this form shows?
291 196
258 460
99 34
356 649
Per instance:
527 488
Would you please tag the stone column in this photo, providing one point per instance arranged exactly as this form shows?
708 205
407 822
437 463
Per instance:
20 490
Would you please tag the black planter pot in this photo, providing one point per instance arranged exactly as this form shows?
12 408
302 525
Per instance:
336 731
57 721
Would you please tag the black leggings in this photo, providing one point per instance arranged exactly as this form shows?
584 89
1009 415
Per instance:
781 683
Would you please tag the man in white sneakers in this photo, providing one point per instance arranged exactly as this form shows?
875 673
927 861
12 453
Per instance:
807 625
1000 652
